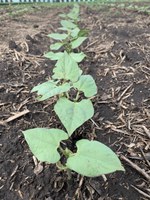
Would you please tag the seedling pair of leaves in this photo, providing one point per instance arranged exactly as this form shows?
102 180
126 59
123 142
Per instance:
66 76
92 158
70 39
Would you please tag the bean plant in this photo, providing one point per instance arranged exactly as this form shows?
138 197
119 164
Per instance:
70 39
74 91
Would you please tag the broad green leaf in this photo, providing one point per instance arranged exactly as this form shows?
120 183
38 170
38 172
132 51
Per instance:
67 69
58 36
63 15
83 33
56 46
78 57
53 56
93 159
75 32
50 89
73 114
76 43
74 13
87 85
63 29
68 24
44 142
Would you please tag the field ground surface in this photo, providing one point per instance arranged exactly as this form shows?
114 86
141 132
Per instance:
118 57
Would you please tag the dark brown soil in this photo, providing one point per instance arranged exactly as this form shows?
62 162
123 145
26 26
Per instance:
118 52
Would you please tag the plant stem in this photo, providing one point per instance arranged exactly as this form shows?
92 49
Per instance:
67 94
60 166
62 151
66 152
77 96
69 174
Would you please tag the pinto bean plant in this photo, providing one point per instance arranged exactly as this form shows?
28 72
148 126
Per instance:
71 38
92 158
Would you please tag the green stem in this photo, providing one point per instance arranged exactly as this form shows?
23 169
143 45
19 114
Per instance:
66 152
63 151
67 94
77 96
63 167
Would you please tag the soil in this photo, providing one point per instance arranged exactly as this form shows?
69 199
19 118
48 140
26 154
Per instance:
118 57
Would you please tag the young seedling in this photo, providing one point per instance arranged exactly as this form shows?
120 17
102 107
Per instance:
91 158
71 39
73 15
72 115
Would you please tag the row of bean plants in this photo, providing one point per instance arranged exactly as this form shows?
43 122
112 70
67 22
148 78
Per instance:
74 91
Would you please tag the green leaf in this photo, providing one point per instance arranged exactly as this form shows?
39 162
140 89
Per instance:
83 33
53 56
63 15
73 114
87 85
74 13
75 32
63 29
76 43
50 89
78 57
67 69
58 36
44 142
56 46
68 24
93 159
